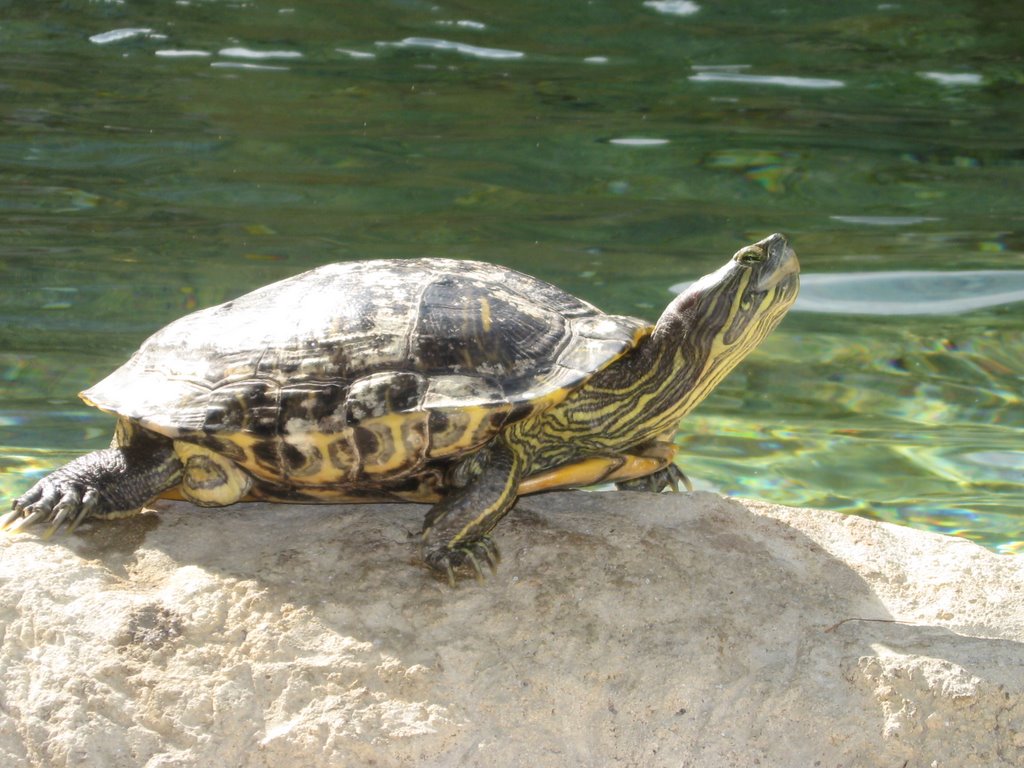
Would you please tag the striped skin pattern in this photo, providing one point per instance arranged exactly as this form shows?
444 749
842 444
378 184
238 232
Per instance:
700 337
457 383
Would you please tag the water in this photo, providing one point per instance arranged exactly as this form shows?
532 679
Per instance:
162 156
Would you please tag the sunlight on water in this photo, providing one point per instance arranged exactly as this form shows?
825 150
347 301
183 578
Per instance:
898 430
910 293
117 35
786 81
638 141
673 7
448 45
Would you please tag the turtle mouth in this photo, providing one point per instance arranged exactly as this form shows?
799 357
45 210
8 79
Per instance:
780 265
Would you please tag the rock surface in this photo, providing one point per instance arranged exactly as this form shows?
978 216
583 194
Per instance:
620 629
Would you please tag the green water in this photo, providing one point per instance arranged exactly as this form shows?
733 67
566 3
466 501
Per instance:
614 148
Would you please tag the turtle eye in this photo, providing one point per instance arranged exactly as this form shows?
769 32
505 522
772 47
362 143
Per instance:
750 256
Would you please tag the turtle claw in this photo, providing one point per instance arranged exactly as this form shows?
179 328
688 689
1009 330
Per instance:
58 503
33 516
8 518
61 512
89 503
670 477
676 477
444 561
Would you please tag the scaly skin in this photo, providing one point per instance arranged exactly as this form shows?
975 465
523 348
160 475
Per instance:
119 479
465 517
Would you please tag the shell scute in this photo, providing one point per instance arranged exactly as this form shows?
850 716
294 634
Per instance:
385 392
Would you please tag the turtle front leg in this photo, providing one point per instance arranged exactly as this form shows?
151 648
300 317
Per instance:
103 483
465 517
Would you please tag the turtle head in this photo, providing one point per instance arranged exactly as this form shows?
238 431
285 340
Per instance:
723 316
745 299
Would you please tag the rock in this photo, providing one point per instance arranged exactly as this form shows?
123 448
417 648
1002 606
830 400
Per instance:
620 629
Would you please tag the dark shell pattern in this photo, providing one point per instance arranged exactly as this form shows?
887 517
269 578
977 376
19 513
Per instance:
361 372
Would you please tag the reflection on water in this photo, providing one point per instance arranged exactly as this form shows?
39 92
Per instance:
159 157
910 293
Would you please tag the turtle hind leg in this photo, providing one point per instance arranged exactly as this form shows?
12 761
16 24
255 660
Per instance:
465 517
648 467
119 479
670 477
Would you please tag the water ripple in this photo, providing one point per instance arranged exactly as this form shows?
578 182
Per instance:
464 23
638 141
953 78
174 53
673 7
249 53
886 221
116 35
353 54
247 65
449 45
786 81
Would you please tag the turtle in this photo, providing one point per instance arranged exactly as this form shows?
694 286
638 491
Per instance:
457 383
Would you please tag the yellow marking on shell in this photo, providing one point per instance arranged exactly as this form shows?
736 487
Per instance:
327 493
469 434
209 479
323 477
485 315
394 454
400 448
174 494
247 443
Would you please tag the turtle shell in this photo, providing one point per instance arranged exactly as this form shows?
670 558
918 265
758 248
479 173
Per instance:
358 372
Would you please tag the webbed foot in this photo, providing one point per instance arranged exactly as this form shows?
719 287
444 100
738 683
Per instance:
670 477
